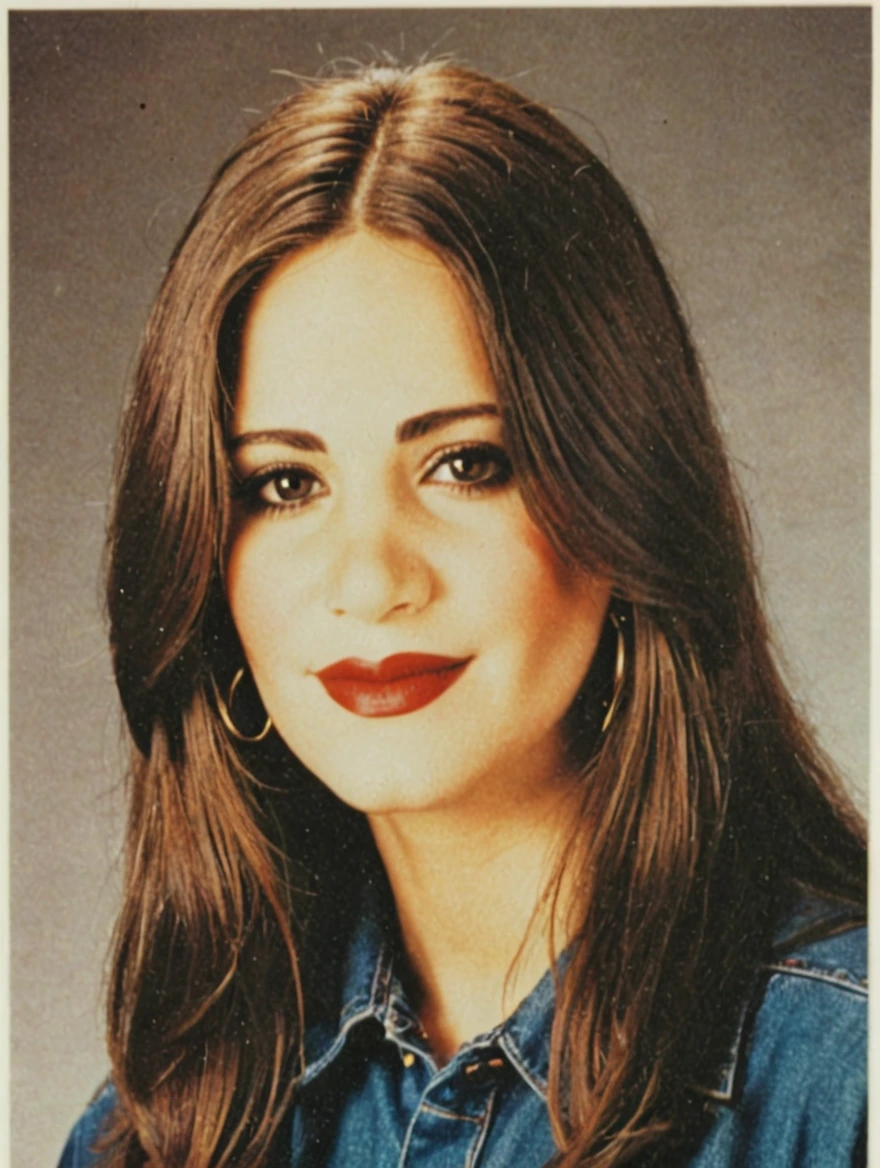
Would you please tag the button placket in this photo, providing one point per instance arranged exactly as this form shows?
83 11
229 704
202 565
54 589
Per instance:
397 1028
483 1071
450 1125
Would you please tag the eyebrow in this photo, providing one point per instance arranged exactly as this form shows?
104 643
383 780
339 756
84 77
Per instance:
298 439
425 423
407 431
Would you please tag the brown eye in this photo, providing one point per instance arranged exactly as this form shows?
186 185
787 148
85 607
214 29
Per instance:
280 488
289 486
472 466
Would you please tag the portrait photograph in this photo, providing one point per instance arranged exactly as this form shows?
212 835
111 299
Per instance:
439 448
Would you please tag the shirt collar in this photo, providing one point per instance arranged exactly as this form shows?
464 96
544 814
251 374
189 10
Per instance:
369 988
811 918
361 987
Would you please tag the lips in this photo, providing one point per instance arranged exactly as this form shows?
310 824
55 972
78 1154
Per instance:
397 685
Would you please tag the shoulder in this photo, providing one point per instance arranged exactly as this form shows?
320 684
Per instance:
813 1017
795 1091
78 1151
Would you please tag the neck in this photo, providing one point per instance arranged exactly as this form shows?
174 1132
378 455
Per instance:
477 915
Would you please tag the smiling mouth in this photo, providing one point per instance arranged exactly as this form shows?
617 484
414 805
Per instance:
396 685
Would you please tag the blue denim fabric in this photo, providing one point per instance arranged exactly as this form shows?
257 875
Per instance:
792 1096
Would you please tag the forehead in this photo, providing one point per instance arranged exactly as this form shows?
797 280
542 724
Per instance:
362 325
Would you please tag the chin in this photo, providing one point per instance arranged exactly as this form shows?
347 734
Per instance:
387 794
382 765
378 778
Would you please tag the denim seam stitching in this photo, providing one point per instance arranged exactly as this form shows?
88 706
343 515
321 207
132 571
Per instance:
410 1128
435 1109
380 991
316 1067
726 1089
477 1146
538 1085
820 975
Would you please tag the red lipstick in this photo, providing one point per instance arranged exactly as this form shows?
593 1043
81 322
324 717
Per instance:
396 685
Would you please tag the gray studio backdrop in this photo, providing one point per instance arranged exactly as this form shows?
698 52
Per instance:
743 136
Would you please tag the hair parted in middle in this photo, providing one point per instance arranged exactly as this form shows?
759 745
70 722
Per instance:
703 793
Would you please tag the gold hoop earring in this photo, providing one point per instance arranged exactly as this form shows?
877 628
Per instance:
223 709
619 668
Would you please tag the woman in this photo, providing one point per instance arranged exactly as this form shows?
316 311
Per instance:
435 624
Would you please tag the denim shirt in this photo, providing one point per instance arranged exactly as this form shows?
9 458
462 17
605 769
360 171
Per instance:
793 1092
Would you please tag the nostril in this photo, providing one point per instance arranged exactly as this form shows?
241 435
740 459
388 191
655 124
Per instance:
371 579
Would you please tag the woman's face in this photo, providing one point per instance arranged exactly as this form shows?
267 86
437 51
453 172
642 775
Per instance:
411 632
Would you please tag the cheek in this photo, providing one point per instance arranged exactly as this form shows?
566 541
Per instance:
542 620
544 591
242 590
258 591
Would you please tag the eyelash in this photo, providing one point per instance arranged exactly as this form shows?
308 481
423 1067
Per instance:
488 452
250 491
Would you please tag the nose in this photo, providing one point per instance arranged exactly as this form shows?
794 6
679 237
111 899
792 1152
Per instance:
379 568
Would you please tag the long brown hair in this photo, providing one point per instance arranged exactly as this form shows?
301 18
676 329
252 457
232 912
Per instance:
708 802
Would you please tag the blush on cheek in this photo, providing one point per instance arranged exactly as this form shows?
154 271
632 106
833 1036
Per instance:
247 594
550 573
236 594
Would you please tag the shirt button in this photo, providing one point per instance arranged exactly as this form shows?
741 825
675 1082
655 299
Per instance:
484 1071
